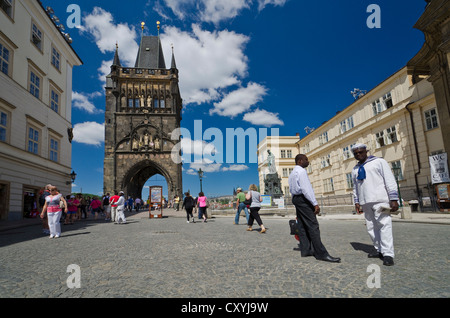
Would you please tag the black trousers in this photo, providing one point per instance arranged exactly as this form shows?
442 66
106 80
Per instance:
310 242
254 215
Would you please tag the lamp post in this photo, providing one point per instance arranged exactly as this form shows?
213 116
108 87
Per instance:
73 175
200 175
397 171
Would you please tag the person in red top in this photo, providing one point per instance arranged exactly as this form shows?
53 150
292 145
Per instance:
96 207
73 207
113 202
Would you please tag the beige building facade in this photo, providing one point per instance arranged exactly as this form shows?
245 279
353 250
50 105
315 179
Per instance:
35 105
397 120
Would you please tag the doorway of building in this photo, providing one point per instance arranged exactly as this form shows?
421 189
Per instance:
30 201
4 201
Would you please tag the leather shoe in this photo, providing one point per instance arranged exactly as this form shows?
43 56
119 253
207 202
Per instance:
388 261
329 258
375 255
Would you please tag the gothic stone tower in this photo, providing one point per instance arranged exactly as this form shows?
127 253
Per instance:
143 107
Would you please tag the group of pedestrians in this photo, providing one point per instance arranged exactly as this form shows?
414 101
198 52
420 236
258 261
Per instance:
374 192
190 204
250 201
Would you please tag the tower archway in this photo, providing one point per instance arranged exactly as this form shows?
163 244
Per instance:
136 177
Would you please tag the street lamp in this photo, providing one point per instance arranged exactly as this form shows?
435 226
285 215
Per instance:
200 175
73 175
397 171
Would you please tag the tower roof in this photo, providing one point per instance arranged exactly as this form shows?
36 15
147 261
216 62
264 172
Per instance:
150 54
116 57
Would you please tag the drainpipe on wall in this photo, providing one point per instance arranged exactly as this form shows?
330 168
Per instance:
417 155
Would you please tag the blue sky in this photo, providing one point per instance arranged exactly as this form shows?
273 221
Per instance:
283 64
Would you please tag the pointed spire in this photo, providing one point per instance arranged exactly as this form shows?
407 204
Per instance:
116 56
173 65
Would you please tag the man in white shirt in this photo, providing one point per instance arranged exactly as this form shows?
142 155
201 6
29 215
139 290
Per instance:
307 207
121 209
375 193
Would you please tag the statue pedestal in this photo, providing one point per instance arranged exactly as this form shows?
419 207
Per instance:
272 186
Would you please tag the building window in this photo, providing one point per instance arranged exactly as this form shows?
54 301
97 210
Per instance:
283 153
5 59
54 149
347 124
287 193
285 173
349 178
54 101
35 84
431 119
397 170
306 148
33 140
391 135
325 161
387 100
380 106
155 102
328 185
386 137
3 125
133 102
289 153
379 139
56 59
323 138
347 152
162 103
36 36
7 7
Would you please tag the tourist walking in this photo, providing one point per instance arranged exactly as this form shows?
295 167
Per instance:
240 205
54 203
188 204
375 194
201 204
42 197
121 209
96 206
106 206
256 198
307 208
113 202
72 209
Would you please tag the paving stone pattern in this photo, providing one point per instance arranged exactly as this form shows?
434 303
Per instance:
168 258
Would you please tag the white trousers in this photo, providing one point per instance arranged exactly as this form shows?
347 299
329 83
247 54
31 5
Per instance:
113 213
120 215
379 227
53 223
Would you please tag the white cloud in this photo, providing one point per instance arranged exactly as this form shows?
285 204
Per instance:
235 168
208 61
262 117
90 133
262 3
217 10
100 24
82 101
213 11
197 147
240 100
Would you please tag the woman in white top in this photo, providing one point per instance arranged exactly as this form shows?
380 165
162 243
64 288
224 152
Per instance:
53 207
254 208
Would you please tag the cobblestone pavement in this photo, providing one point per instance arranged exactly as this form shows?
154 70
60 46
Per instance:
168 258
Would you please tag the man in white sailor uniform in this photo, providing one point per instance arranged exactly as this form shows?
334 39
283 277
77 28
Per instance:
375 193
